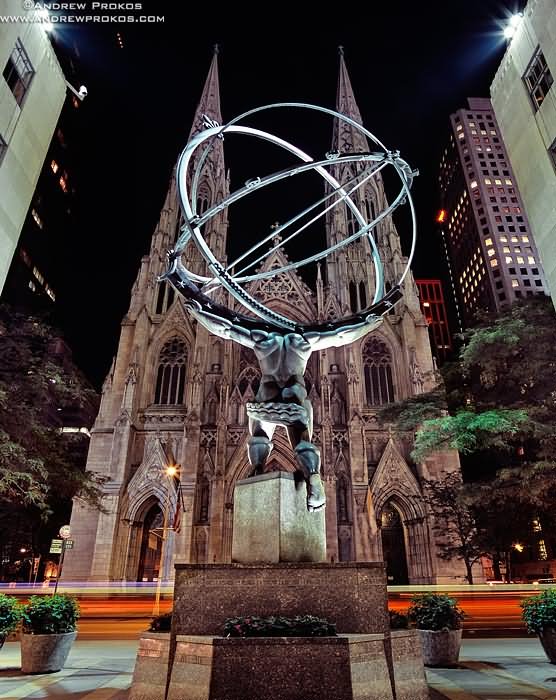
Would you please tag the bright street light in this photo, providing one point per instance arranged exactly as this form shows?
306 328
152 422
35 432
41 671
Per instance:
171 470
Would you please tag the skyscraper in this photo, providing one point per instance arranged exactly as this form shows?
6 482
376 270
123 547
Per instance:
524 100
176 395
431 298
487 233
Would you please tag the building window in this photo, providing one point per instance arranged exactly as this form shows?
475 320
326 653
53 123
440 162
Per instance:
377 363
36 218
170 378
3 148
18 72
538 79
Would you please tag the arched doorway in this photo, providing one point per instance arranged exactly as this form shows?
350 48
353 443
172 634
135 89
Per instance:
151 545
393 546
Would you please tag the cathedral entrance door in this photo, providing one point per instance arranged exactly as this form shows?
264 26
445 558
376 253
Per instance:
151 545
393 546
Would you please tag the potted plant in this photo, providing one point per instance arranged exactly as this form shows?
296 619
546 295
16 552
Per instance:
10 615
49 629
539 614
279 626
398 620
438 620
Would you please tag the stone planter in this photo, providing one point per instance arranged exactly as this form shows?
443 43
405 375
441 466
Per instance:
440 648
548 640
151 667
45 653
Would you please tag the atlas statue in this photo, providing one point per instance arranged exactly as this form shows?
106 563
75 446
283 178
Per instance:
281 345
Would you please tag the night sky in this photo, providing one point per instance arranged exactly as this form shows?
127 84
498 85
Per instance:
411 65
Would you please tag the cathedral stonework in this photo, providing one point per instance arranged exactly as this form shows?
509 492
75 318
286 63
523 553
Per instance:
176 395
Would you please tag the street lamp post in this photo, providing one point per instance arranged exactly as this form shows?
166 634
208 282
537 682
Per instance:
171 471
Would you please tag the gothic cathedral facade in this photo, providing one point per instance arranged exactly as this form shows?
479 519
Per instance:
176 395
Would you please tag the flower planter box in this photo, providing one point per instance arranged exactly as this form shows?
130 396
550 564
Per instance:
151 667
440 648
548 640
45 653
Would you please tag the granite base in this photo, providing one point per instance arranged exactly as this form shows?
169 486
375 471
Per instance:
351 594
151 667
272 523
347 667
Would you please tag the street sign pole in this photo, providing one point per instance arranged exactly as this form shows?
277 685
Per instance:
60 565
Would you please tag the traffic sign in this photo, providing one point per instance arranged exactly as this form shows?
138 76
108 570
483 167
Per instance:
65 532
69 544
56 546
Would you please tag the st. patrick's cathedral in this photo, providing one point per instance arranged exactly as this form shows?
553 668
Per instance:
175 395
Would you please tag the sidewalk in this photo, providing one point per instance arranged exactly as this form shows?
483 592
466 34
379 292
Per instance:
490 669
94 671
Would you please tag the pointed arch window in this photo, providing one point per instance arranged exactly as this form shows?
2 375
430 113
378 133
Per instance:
377 363
165 297
170 377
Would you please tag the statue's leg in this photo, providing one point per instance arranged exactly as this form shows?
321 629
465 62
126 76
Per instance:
308 460
259 445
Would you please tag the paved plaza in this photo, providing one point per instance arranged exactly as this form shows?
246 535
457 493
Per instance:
490 669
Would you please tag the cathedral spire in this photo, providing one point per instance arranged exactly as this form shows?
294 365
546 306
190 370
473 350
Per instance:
346 138
209 104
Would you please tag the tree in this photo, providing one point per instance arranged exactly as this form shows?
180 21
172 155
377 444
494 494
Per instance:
41 468
458 534
500 413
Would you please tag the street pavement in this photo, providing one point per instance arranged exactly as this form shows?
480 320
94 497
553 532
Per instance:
489 669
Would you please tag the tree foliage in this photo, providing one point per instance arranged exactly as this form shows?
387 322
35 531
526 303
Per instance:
40 391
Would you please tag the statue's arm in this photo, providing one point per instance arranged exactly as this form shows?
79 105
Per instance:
343 335
220 326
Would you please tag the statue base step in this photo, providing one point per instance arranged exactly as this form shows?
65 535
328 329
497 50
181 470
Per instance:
347 667
272 523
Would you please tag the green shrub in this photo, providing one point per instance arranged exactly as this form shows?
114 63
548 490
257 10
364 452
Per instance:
50 614
10 614
398 620
435 611
539 611
161 623
277 626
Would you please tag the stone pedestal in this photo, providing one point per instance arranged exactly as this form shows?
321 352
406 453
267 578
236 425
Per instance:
272 524
350 594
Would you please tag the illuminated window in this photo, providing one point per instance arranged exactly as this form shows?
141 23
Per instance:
488 181
490 252
54 166
461 135
50 292
63 183
509 259
538 79
503 239
506 249
488 241
377 362
497 182
520 260
473 184
494 262
515 283
508 181
170 379
459 127
530 260
38 275
37 219
18 72
32 286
